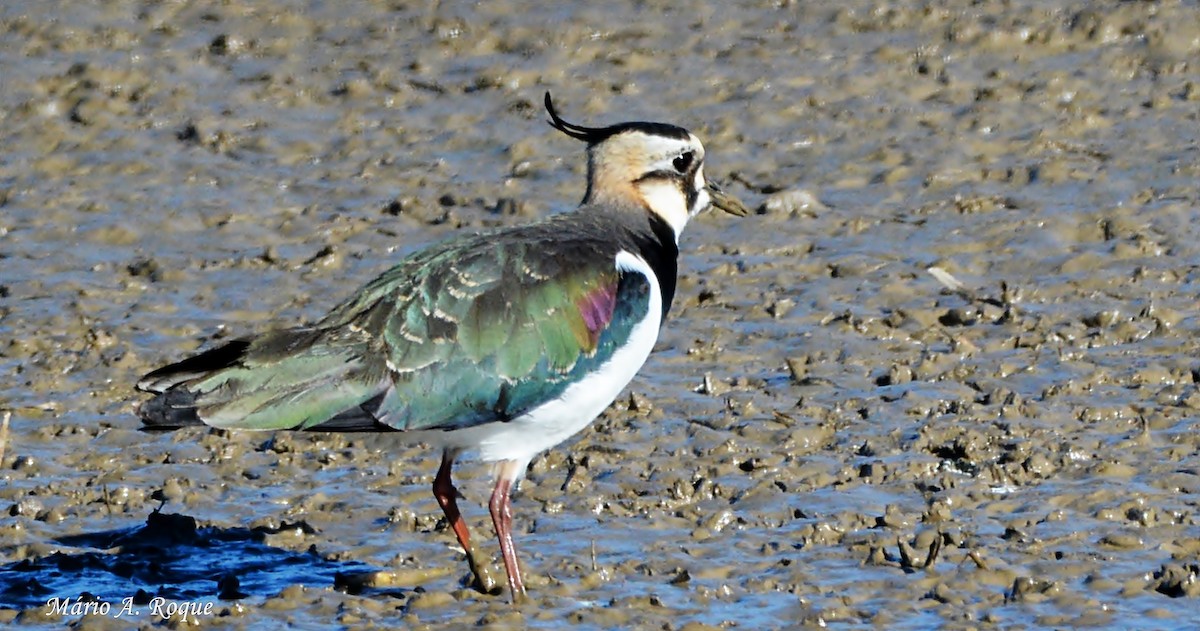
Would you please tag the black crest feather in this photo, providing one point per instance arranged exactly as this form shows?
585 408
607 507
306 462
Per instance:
595 135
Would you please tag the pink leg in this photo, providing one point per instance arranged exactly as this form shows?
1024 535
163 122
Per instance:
447 496
501 508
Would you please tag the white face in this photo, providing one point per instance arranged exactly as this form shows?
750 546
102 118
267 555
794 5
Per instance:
664 174
677 191
664 199
700 185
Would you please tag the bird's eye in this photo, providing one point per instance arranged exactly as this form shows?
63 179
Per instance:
683 161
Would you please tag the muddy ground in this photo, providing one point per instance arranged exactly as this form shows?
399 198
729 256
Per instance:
828 432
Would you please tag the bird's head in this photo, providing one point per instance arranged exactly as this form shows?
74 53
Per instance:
657 166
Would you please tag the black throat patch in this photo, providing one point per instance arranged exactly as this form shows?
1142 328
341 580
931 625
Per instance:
659 250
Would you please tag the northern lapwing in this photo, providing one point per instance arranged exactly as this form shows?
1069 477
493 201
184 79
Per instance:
503 342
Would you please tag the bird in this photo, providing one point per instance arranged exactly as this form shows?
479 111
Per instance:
503 342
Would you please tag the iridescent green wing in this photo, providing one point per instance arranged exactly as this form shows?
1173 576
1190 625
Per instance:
484 331
480 329
290 379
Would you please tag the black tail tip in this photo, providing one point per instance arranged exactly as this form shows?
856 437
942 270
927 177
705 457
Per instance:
168 411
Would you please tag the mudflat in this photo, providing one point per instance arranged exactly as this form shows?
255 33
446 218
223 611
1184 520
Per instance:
945 377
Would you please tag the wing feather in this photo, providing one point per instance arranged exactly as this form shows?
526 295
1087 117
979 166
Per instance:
474 332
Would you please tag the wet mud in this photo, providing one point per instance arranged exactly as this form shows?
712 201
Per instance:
946 377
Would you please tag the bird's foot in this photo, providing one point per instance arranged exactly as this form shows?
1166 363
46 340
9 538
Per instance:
518 597
483 581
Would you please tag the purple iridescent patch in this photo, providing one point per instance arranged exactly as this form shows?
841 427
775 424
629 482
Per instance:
596 307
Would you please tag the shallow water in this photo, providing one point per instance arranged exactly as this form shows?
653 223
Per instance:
821 411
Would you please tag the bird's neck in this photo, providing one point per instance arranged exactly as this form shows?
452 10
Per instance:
659 198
